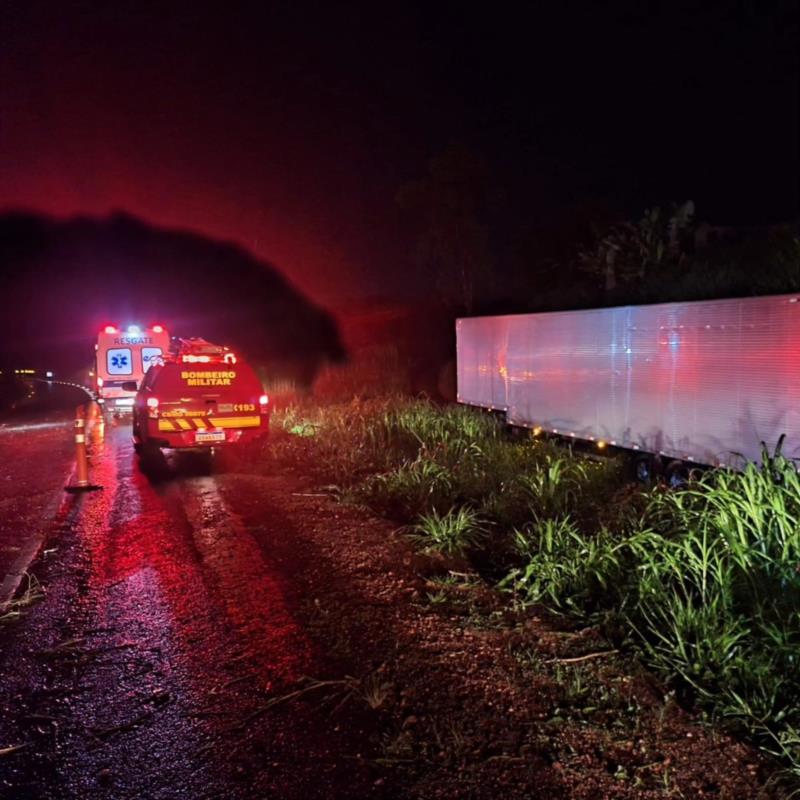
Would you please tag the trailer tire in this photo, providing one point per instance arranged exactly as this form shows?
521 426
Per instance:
677 474
643 469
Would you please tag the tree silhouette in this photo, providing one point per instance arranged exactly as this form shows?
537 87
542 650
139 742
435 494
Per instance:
450 206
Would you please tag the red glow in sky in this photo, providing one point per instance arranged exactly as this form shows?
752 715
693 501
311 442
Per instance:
202 122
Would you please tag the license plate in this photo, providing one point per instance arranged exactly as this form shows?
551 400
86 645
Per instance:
209 436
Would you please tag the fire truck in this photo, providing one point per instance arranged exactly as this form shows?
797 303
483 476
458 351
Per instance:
123 355
198 396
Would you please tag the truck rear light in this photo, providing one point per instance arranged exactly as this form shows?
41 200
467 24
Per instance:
190 359
152 407
263 400
99 382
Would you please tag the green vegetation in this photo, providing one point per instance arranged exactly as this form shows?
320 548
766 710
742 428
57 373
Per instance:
451 533
702 582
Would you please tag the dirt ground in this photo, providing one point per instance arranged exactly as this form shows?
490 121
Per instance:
239 634
479 701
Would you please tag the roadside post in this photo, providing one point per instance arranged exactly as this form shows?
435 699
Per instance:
82 483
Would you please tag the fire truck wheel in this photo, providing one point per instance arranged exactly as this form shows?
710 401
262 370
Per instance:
150 456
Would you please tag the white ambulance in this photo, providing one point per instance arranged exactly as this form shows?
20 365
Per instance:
123 355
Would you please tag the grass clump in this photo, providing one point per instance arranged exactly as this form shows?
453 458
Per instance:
18 606
452 533
410 489
565 568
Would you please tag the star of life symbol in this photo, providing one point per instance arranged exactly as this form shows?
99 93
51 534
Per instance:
119 361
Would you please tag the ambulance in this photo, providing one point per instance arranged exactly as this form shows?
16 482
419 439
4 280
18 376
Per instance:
198 396
123 355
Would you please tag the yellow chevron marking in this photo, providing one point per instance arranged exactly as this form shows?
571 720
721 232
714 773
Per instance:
199 423
235 422
183 423
165 425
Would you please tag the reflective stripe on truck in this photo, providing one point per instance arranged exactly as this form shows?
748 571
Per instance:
202 423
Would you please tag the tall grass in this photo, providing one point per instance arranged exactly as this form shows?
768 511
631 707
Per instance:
706 578
716 600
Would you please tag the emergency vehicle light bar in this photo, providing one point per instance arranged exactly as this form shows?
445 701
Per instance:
200 351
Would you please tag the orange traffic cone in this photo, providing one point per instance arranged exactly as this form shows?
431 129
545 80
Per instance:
82 483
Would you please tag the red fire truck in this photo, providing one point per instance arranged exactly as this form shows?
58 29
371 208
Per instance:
123 355
198 396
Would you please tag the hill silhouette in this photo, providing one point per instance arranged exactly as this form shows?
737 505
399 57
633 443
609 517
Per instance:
60 281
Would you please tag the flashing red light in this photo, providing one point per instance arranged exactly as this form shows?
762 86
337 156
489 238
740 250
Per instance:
263 400
109 329
196 359
158 329
152 402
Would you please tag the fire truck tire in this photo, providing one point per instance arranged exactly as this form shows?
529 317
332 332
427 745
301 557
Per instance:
150 456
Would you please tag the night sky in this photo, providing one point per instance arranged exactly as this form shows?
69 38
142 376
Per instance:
289 128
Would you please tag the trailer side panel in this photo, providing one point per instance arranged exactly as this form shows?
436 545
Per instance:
705 381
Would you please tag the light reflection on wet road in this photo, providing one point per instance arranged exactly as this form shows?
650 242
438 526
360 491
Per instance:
167 627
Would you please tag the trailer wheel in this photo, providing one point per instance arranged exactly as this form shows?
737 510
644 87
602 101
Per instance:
677 475
643 469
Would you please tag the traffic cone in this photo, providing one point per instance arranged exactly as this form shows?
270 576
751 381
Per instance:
82 462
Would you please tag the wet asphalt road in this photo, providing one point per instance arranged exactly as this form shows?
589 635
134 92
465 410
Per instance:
36 454
169 625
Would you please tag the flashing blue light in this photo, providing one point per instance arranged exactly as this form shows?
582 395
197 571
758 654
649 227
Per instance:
134 330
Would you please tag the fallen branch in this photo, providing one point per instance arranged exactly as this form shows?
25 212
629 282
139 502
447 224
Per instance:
105 733
578 659
347 682
233 682
7 751
504 758
67 646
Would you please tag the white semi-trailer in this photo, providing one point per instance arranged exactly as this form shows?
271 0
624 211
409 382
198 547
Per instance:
703 382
